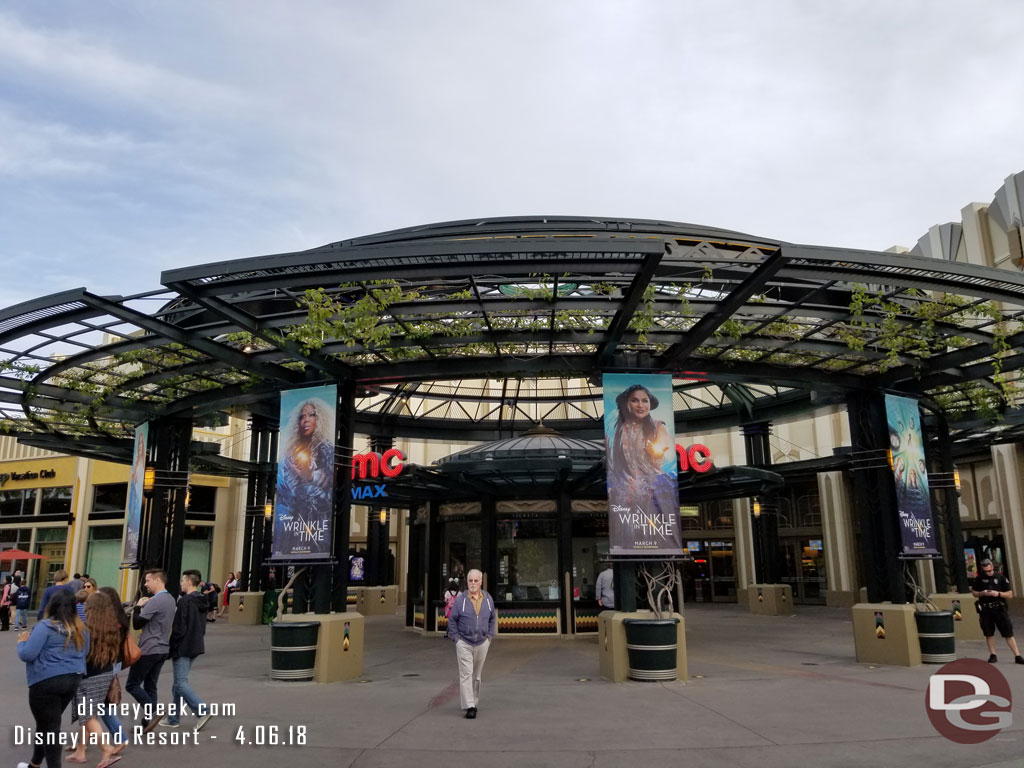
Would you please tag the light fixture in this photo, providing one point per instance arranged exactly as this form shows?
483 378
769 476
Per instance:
247 348
956 478
188 497
268 511
888 456
149 479
757 508
383 517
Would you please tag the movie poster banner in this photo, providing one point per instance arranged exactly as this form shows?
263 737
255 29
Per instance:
643 494
913 500
304 503
136 489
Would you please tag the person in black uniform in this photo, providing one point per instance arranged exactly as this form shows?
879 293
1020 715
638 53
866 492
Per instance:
991 590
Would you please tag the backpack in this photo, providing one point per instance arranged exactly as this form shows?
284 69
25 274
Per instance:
448 606
22 596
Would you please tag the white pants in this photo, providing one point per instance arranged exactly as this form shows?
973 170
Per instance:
471 667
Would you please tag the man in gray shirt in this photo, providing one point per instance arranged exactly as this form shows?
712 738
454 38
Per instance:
604 589
154 616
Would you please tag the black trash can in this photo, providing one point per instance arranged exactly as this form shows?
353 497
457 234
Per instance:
293 650
936 633
651 646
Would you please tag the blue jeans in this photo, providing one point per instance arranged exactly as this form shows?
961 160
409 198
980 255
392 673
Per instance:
20 618
142 678
114 726
182 691
110 720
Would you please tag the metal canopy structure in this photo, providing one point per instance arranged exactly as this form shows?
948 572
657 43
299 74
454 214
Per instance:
479 329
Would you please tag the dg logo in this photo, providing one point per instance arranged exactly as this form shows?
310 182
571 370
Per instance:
968 701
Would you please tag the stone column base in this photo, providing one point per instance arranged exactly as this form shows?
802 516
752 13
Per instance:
965 616
245 608
339 647
837 598
770 599
611 643
377 601
884 633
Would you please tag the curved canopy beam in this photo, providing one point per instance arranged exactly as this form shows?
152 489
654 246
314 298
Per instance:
425 319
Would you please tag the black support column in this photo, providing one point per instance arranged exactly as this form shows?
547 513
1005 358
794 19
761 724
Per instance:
874 494
565 559
488 543
766 526
432 573
337 600
378 551
954 551
163 528
256 542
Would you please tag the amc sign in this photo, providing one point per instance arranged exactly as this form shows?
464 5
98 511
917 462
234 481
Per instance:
373 466
696 458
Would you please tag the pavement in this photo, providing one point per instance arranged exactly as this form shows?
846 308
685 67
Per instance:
764 691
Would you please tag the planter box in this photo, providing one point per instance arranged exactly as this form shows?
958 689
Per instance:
611 638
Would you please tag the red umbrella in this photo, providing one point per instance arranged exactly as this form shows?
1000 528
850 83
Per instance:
18 554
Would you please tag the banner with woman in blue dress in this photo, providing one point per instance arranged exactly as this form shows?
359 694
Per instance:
304 502
910 470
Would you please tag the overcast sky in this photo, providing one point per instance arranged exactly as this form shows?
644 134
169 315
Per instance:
141 136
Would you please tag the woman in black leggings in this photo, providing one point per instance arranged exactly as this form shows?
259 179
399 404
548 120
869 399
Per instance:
54 655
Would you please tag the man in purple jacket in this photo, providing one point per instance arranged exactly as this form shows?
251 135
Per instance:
471 625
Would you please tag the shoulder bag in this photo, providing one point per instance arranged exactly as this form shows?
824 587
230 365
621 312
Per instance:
130 651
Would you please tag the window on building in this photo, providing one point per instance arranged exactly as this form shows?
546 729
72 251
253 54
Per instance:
18 503
110 497
589 553
196 548
56 501
527 559
14 538
800 505
103 556
707 516
461 551
202 499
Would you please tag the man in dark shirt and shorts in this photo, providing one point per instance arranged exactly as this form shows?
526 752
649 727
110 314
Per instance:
991 590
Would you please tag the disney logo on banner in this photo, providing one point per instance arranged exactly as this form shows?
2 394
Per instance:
968 701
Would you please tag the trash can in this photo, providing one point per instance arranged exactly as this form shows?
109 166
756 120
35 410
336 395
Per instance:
937 635
651 645
293 650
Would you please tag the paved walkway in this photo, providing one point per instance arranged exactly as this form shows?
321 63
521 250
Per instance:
763 692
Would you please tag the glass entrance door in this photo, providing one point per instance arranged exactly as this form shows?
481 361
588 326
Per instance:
710 576
802 562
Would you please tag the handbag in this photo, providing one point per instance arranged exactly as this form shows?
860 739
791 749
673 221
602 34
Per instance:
114 691
130 651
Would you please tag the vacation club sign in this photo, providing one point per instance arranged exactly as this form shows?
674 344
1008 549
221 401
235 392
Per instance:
43 474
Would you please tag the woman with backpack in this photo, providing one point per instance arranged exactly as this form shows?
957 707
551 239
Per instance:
54 655
22 596
449 596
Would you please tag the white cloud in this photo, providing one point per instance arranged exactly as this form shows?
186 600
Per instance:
162 135
69 60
